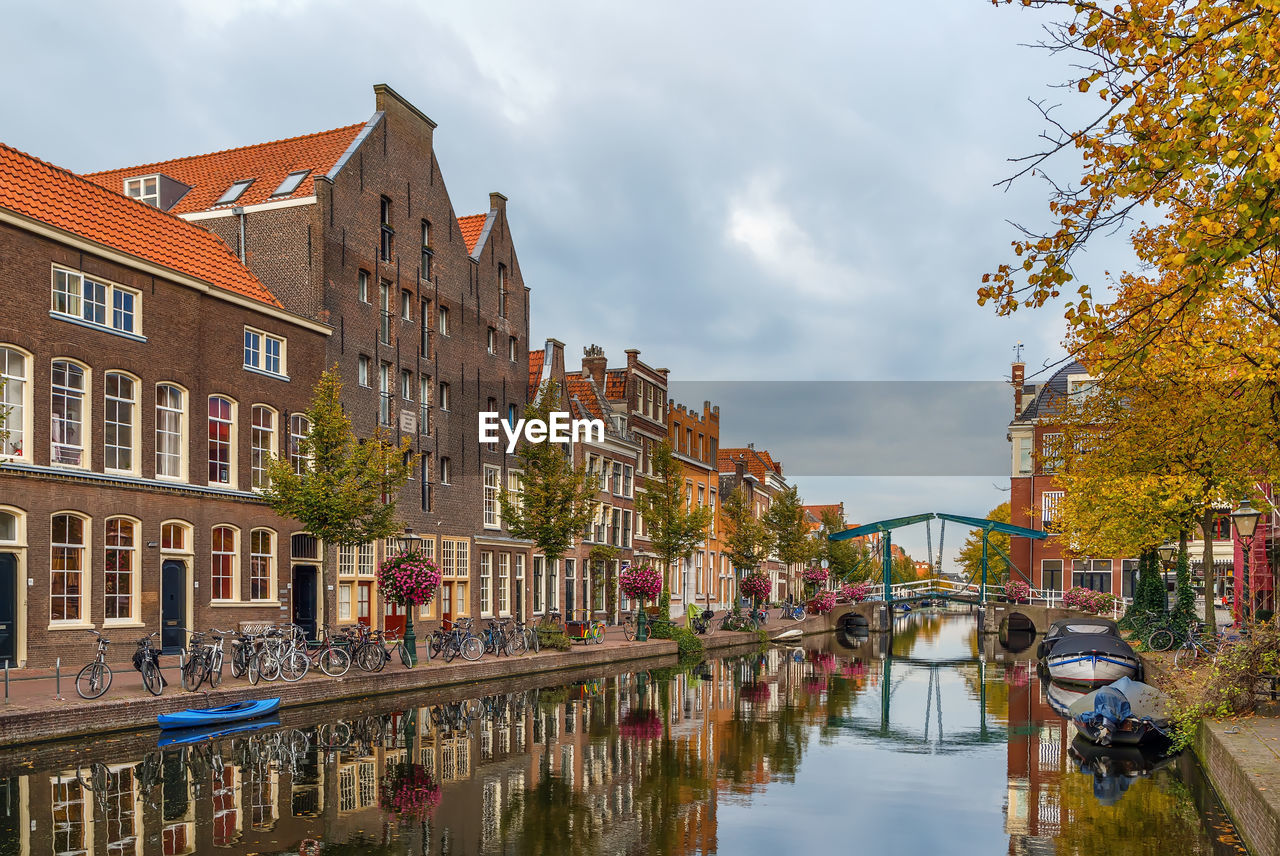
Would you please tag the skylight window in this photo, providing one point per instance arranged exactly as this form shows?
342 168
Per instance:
291 182
234 191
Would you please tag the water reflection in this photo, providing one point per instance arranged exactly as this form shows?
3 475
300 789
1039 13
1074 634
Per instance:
746 754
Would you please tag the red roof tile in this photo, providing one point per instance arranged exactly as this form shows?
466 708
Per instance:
758 461
585 392
535 371
52 195
472 225
267 164
615 384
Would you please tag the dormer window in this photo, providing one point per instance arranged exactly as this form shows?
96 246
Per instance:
144 189
234 192
291 182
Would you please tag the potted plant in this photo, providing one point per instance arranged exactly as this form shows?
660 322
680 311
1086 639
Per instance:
408 580
641 582
1017 591
756 587
822 603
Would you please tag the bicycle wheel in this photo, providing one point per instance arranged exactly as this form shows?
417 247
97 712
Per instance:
379 657
335 662
193 673
534 642
519 644
405 657
1185 657
93 680
269 665
151 678
253 670
450 650
1160 640
472 649
214 675
597 634
294 666
239 661
629 630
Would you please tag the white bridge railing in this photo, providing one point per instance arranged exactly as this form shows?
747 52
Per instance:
954 588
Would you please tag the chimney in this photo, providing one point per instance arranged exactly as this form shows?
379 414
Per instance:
1019 376
740 468
498 202
594 364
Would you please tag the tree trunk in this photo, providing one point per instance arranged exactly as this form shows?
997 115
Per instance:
1206 558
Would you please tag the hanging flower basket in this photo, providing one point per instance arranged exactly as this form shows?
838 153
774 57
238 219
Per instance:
641 582
1017 591
855 592
408 580
822 603
755 586
409 792
815 576
640 725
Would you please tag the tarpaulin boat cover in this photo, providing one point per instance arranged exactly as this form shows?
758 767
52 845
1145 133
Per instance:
1092 643
1110 708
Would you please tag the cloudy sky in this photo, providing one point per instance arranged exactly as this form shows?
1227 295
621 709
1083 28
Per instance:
743 191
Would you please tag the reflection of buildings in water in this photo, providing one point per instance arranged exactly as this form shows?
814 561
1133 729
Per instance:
1037 758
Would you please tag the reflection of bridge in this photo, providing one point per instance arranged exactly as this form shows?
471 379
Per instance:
937 588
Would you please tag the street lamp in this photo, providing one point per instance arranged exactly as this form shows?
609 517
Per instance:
1167 551
1245 520
410 543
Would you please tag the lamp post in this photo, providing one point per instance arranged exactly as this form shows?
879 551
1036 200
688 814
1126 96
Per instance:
1166 552
410 543
1245 520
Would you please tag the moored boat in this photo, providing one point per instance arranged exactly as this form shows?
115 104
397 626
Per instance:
1061 698
1092 659
1125 713
1066 627
202 717
185 736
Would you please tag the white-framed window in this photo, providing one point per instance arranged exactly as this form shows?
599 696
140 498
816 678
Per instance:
514 487
96 301
512 348
175 537
171 431
119 416
385 394
617 478
486 583
12 526
628 473
444 399
364 286
70 417
299 428
492 508
442 320
386 233
491 343
222 441
406 384
15 405
363 364
145 188
539 563
424 404
446 471
504 584
262 564
224 551
1024 455
262 446
68 570
1050 452
264 352
384 307
1049 507
120 582
406 305
344 602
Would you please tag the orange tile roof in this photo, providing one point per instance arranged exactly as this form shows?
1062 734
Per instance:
818 510
615 384
585 392
472 225
267 164
61 199
759 463
535 371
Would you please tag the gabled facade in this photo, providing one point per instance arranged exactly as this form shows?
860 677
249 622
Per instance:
695 441
761 477
147 375
430 314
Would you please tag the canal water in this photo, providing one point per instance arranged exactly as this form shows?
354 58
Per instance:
924 742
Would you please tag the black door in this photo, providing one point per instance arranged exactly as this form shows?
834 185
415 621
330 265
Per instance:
173 606
8 608
304 598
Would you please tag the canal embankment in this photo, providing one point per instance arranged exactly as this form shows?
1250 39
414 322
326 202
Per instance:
34 713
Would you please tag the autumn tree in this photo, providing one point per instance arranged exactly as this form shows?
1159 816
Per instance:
788 530
970 556
674 524
745 540
556 501
341 489
843 557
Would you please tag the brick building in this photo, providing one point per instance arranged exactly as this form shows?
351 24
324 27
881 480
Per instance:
147 375
695 442
762 479
355 227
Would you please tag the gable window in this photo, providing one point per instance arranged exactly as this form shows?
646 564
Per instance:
502 291
384 320
69 419
97 302
234 192
442 321
171 417
67 570
221 440
386 234
145 189
262 443
14 410
425 273
224 559
299 428
264 352
121 572
118 422
362 370
291 182
364 286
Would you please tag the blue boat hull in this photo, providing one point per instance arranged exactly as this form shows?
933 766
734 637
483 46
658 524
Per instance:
185 736
218 715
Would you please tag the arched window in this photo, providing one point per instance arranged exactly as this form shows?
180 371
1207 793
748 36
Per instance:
68 571
70 426
15 387
222 437
262 445
121 570
175 537
225 558
119 417
11 528
299 428
262 562
171 431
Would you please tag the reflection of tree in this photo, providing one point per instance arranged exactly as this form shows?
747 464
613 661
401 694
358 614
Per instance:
1144 820
549 818
672 781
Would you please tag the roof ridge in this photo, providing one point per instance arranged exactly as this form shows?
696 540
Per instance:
227 151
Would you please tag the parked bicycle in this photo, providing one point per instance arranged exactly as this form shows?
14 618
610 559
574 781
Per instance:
330 654
1200 643
95 678
741 621
146 660
460 640
203 661
794 611
702 621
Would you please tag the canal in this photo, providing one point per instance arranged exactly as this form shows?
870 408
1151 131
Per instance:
923 742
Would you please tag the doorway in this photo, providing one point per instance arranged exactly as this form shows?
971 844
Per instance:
305 585
8 608
173 606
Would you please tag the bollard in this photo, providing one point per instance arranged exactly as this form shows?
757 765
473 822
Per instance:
6 681
57 674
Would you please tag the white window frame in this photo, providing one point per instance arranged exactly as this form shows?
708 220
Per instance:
515 487
234 553
260 454
446 468
182 431
297 459
1048 505
363 364
443 401
442 320
85 571
492 486
136 188
486 583
503 604
85 421
132 425
1051 458
258 359
133 553
363 286
16 408
258 557
67 303
424 404
386 393
232 441
406 384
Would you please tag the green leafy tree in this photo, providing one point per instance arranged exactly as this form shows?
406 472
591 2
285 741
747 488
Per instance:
842 556
346 491
1149 596
674 524
556 501
788 530
1184 607
970 556
745 540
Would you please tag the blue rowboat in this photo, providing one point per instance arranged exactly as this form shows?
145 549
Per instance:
193 718
185 736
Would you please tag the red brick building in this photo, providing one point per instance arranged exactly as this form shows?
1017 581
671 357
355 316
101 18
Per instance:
147 375
354 227
761 477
